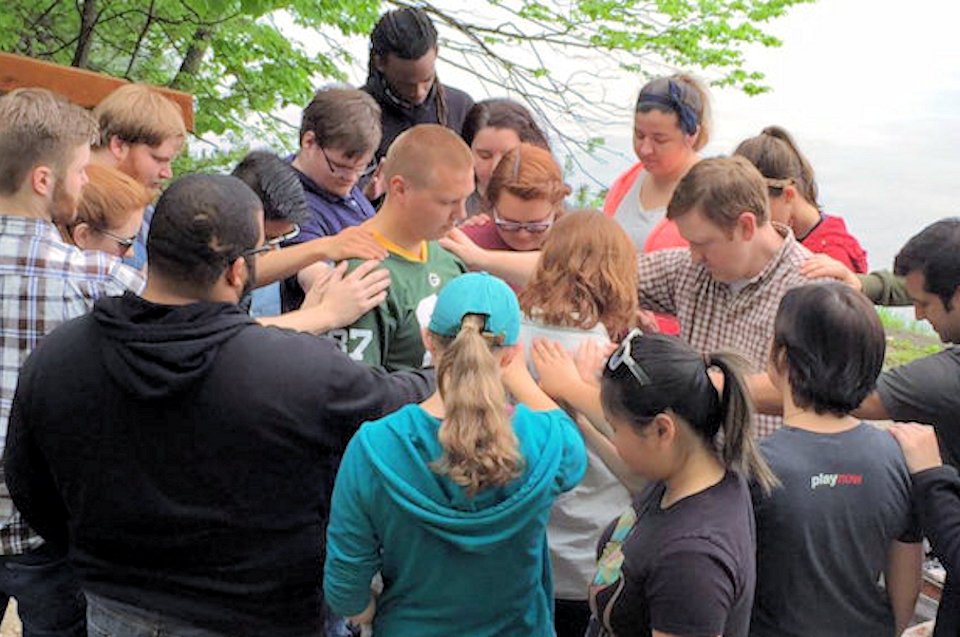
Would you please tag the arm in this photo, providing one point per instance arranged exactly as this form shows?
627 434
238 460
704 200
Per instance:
872 408
353 548
767 399
518 381
922 391
29 480
885 288
348 244
601 445
560 379
515 268
902 578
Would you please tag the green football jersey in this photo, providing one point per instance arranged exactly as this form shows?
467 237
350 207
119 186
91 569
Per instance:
389 335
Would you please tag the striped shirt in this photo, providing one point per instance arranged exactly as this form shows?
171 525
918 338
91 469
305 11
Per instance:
43 282
717 316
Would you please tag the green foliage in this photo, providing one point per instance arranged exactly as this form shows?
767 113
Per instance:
907 340
242 67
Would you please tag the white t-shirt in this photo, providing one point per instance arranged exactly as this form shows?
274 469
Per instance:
635 221
578 517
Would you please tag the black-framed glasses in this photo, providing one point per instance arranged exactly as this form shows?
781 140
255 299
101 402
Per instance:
124 242
622 356
272 244
533 227
348 171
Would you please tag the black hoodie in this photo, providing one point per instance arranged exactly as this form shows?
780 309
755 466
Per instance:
187 455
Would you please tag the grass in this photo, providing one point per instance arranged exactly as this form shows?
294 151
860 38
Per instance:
907 340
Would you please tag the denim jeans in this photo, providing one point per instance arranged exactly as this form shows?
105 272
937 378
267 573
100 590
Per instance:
49 600
109 618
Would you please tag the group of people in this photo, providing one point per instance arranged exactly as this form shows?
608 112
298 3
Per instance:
390 382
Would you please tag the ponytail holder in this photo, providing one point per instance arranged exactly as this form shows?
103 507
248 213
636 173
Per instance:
674 101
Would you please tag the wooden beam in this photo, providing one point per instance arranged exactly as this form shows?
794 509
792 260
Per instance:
80 86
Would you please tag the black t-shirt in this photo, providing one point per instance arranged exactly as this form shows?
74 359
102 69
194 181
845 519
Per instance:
824 537
686 570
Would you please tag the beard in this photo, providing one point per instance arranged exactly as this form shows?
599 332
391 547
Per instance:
251 281
63 205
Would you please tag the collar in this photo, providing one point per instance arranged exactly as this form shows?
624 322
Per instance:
309 185
417 257
789 244
18 225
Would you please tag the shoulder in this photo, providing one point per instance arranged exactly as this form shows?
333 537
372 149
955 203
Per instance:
664 261
437 255
619 188
385 435
457 98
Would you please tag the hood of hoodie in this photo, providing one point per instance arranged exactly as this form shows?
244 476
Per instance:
153 351
402 453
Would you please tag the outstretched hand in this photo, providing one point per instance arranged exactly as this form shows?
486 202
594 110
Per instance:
463 246
919 444
821 266
354 242
343 298
590 359
555 367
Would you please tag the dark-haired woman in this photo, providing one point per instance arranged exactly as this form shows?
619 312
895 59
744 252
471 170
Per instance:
402 77
794 197
842 518
680 560
493 128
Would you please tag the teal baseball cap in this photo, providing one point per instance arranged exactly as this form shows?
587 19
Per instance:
477 293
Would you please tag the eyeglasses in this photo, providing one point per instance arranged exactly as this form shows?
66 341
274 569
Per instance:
124 242
622 356
272 244
533 227
348 171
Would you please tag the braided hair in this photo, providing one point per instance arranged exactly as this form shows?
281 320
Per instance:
409 34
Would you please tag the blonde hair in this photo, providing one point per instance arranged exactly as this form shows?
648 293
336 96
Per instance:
39 128
420 151
528 172
138 114
109 197
587 274
480 448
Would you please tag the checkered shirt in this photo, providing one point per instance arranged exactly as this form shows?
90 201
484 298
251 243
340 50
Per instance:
713 316
43 282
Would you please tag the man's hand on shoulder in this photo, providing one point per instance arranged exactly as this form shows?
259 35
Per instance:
821 266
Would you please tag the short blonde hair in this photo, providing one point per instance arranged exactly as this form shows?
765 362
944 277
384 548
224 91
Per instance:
109 197
419 151
722 188
139 114
39 128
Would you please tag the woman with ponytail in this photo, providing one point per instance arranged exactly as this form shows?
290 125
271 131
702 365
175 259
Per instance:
448 500
843 516
794 197
681 560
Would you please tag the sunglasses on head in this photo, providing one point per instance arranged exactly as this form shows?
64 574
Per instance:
622 356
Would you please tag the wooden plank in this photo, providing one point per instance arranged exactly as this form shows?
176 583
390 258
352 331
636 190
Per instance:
80 86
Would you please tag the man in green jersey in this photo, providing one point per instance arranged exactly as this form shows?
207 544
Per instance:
428 175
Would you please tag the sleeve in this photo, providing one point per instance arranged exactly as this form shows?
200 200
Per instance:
573 464
691 590
937 494
885 288
28 476
354 392
353 547
923 390
659 273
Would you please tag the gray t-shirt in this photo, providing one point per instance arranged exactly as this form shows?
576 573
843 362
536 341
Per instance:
824 536
635 220
928 391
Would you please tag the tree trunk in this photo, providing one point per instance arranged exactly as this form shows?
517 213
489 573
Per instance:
194 56
88 20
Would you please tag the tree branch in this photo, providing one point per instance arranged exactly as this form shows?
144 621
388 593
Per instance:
139 42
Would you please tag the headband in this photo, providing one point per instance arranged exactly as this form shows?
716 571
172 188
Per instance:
674 101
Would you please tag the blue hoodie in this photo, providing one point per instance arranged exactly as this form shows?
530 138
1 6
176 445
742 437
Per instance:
451 564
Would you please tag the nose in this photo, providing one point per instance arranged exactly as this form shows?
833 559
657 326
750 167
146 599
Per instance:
646 147
166 172
423 89
919 313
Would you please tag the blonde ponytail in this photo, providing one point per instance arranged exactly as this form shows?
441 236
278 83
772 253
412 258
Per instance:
480 448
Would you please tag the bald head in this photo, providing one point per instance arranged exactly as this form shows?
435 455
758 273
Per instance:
418 153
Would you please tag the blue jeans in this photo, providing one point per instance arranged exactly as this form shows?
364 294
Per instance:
49 600
109 618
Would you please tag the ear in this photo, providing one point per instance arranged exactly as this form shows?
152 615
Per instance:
80 235
118 148
789 194
777 366
664 427
747 225
509 353
428 343
377 62
43 180
309 139
236 272
398 187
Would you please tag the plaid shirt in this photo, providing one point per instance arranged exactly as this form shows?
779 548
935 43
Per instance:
43 282
716 316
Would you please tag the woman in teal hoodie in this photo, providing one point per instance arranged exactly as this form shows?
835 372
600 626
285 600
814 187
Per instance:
449 500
